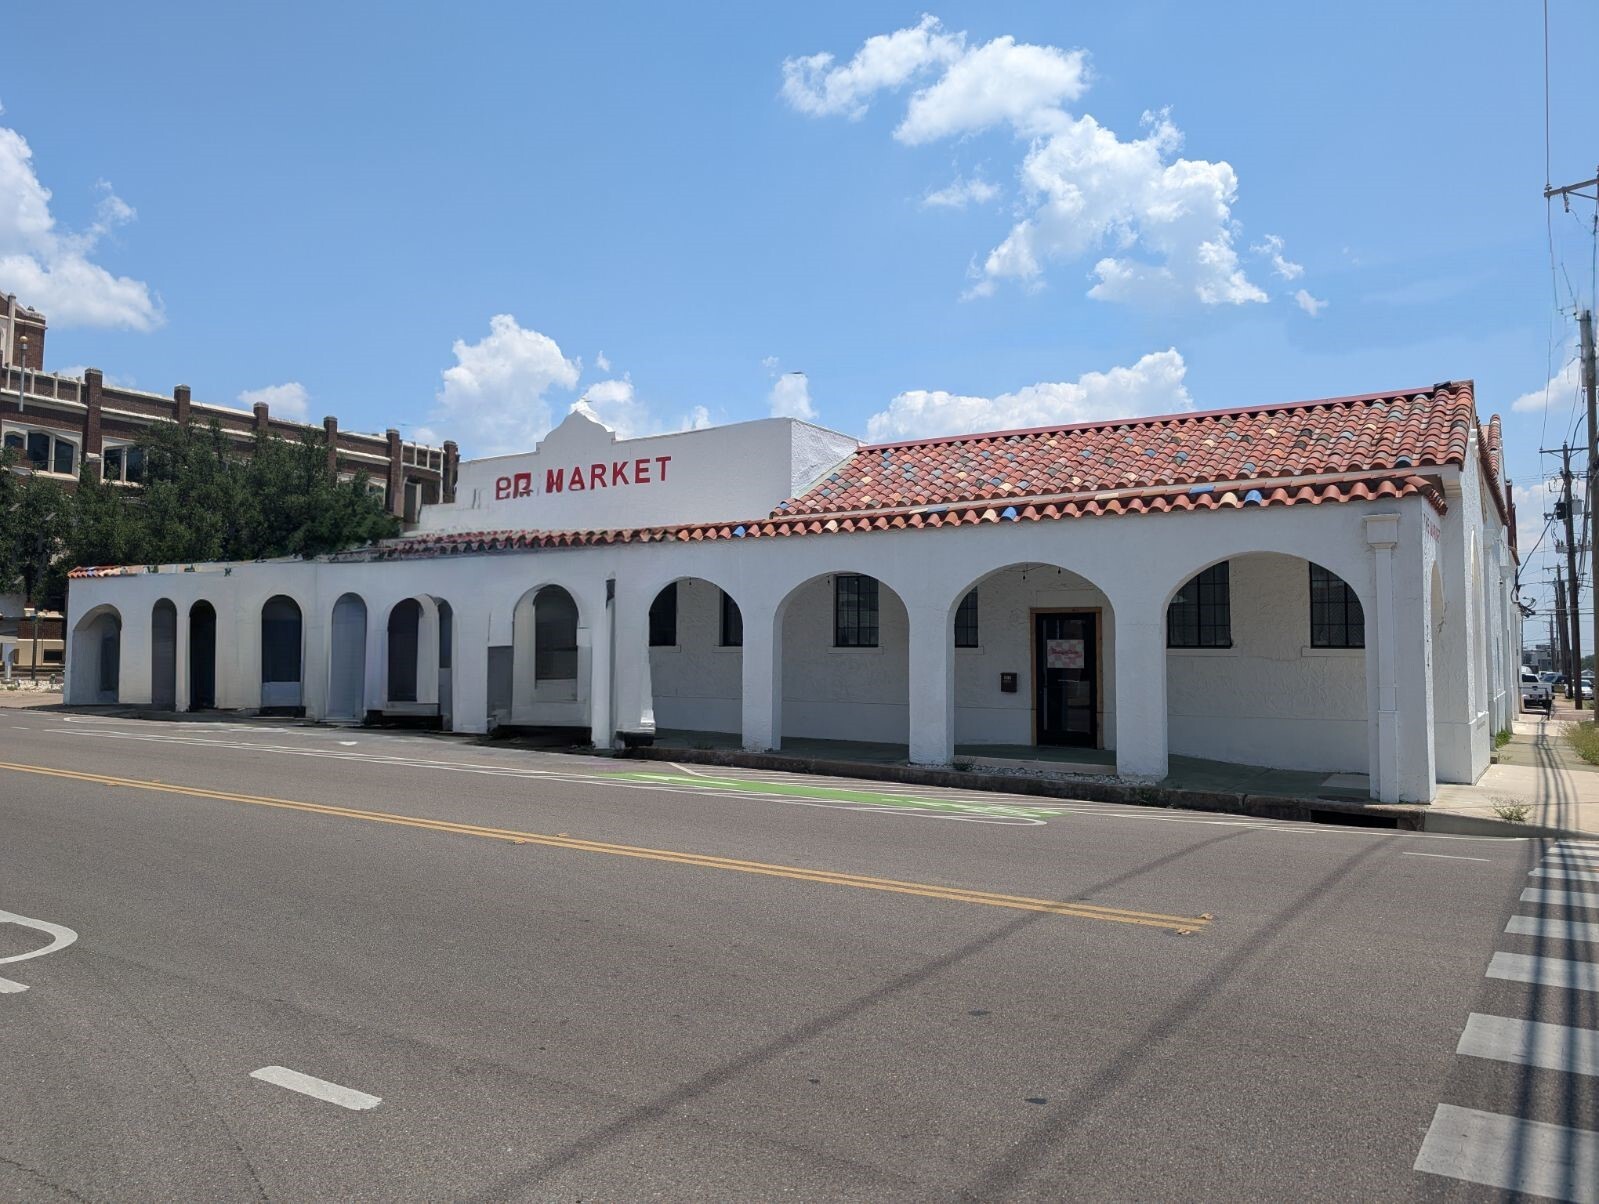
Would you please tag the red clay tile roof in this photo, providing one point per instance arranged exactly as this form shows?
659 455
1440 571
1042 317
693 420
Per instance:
1390 432
1303 453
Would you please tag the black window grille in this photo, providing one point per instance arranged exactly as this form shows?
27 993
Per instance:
1336 619
663 618
966 622
854 611
732 624
554 635
1200 616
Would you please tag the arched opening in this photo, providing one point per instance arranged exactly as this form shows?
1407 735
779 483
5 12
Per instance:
549 662
1034 650
845 666
696 654
202 656
1266 670
405 623
282 656
416 647
347 659
96 664
446 664
164 655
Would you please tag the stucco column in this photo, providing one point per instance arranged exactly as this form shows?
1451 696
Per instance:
180 662
133 670
602 727
762 692
469 672
1140 626
634 704
932 684
314 662
1402 768
374 694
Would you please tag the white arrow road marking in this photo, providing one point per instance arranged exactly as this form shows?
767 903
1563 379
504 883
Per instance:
60 936
345 1097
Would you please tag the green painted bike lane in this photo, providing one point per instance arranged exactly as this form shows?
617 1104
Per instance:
838 794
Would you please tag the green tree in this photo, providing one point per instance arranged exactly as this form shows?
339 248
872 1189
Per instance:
33 520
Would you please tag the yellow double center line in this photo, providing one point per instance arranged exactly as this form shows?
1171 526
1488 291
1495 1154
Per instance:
1086 911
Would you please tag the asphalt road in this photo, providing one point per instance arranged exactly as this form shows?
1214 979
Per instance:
577 978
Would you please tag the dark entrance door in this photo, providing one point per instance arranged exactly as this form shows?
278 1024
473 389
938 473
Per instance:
202 657
1066 678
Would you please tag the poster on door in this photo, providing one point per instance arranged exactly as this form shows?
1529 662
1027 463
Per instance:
1063 654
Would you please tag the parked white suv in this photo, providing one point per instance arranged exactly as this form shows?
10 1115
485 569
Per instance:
1535 692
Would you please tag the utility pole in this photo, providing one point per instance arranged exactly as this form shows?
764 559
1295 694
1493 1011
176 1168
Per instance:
1589 385
1562 647
1574 679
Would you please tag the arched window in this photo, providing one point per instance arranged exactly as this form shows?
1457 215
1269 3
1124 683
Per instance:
280 640
554 635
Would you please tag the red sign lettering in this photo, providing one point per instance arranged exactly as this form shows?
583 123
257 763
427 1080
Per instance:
599 475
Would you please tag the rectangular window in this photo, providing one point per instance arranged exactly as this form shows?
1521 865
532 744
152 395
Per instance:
39 450
966 622
663 618
732 624
1200 616
15 441
111 458
854 611
1336 620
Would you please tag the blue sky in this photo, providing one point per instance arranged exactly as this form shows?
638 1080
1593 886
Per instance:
461 219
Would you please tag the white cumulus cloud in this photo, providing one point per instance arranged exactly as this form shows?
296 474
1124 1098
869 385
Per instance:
50 268
813 84
1562 386
1153 385
1165 221
1271 247
505 391
1311 305
962 192
791 397
289 400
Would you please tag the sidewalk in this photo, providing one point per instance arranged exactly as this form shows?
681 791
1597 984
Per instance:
1539 770
27 696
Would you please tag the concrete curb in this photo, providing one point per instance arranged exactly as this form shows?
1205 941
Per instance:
1403 816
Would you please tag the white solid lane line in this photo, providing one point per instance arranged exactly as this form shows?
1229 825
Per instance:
1575 875
1517 1155
305 1084
1560 898
1447 857
1553 972
1555 930
7 987
1531 1043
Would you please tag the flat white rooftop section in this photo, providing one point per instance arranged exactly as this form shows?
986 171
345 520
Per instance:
581 477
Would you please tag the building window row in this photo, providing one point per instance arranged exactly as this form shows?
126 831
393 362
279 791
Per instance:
1200 616
46 451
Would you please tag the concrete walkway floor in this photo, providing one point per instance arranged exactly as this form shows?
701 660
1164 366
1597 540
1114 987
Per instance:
1538 770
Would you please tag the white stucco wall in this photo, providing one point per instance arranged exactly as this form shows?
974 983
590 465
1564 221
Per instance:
730 473
1272 698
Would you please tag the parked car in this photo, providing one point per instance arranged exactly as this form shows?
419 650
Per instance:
1536 693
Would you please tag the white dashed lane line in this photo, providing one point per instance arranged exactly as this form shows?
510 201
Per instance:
305 1084
1448 857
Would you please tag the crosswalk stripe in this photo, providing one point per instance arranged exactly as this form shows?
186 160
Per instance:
1578 854
1531 1043
1508 1152
1559 898
1575 875
1555 930
1553 972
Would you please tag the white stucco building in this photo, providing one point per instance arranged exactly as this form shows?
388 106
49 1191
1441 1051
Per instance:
1321 586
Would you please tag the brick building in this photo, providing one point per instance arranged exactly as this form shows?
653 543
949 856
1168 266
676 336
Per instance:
56 424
